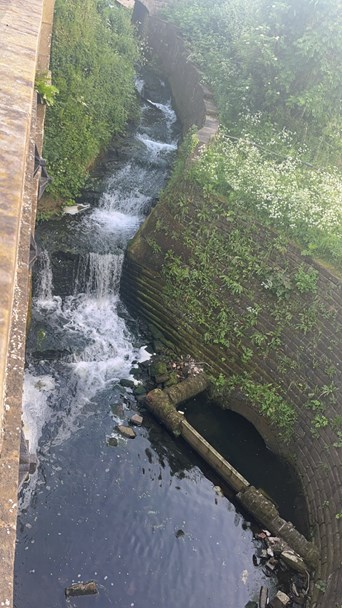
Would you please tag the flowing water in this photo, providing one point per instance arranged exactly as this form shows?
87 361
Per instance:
142 518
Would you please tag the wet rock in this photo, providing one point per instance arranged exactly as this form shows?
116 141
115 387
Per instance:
162 378
141 398
139 390
173 379
135 372
126 431
293 561
158 369
89 588
112 442
263 597
280 600
251 605
137 420
126 383
299 601
255 561
180 533
271 564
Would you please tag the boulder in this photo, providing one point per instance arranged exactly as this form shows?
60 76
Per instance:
126 431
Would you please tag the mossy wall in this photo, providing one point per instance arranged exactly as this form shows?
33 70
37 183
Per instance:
267 323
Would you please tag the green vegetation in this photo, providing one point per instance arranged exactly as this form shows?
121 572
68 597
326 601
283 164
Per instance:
251 305
275 73
45 89
92 63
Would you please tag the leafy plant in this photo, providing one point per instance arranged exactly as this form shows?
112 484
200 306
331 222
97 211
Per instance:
306 279
46 90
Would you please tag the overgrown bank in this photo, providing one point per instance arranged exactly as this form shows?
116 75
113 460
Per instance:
213 274
92 63
276 77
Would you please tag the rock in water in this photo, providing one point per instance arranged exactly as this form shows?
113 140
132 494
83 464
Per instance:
112 442
126 431
293 561
263 597
137 420
89 588
280 600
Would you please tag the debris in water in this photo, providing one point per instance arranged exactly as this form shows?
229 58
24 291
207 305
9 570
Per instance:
89 588
263 597
280 600
74 209
244 576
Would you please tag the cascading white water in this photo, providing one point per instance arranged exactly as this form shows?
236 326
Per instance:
44 289
89 318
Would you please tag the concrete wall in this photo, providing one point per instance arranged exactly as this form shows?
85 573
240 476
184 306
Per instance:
25 29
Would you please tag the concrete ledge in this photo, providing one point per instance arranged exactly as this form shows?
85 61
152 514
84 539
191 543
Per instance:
25 33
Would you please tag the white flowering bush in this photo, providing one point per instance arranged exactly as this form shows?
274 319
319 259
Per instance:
284 192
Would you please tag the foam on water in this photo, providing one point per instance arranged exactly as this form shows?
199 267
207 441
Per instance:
116 222
168 111
156 149
36 411
103 348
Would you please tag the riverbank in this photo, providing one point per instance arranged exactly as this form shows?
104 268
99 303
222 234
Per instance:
264 318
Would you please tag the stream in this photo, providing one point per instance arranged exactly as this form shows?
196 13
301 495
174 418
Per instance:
142 518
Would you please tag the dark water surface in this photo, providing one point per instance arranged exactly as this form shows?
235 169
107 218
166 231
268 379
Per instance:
142 518
239 442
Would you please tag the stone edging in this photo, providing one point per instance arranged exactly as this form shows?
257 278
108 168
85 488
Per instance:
25 32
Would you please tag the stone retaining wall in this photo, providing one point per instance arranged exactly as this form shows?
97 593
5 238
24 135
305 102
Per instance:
25 29
316 459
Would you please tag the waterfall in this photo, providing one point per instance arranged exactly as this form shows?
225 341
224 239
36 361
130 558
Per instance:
45 278
99 274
